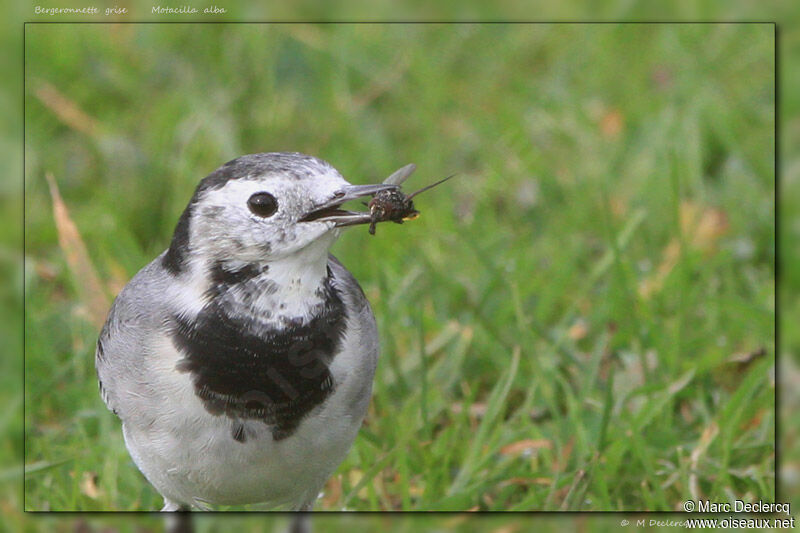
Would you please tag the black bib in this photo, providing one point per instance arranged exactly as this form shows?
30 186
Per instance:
273 375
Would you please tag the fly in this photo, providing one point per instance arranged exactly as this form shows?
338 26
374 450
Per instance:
394 205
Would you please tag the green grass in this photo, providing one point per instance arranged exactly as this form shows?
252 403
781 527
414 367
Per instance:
606 249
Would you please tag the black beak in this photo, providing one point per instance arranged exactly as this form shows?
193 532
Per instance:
330 212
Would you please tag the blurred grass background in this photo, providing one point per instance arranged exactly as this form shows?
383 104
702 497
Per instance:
622 373
583 320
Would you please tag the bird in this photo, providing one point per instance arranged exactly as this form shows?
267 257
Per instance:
240 361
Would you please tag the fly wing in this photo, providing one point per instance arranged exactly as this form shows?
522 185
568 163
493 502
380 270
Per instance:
400 175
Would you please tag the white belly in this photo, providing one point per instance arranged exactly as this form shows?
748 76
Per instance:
191 457
209 466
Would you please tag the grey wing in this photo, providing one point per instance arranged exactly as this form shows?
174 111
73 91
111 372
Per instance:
359 310
134 326
400 175
100 362
361 341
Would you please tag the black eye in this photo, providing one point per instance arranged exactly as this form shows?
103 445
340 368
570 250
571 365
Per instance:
263 204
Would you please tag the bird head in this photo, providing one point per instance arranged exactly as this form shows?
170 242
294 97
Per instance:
265 207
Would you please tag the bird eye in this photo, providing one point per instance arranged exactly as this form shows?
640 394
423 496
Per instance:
263 204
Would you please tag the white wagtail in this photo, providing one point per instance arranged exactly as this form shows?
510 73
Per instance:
241 359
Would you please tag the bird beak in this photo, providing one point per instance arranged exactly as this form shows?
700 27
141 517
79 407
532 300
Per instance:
330 212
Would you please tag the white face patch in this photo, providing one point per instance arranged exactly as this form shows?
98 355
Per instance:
228 239
223 227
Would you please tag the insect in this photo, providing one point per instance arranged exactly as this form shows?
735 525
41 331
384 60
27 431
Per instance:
394 205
